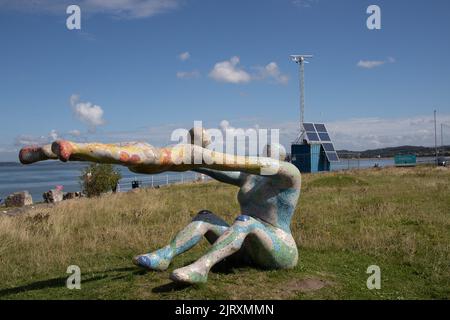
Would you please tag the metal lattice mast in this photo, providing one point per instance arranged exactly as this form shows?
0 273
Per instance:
300 60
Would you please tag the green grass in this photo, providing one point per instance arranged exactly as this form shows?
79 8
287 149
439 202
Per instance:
398 219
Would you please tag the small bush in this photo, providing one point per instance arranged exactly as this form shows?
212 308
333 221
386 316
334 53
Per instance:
99 178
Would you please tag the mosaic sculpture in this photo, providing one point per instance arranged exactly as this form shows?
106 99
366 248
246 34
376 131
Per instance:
260 234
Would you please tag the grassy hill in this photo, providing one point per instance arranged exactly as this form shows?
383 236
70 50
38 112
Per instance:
396 218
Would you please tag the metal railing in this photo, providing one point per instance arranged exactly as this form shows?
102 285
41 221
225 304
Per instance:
158 180
346 162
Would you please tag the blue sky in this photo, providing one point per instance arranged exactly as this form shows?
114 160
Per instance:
138 69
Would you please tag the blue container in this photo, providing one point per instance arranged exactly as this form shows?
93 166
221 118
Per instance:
309 157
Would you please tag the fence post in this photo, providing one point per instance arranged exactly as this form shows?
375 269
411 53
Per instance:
182 178
167 179
152 181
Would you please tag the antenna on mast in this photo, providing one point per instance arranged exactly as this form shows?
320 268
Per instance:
300 59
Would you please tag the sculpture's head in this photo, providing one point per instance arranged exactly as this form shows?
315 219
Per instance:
200 134
275 151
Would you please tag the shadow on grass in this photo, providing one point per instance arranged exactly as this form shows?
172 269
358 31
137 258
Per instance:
61 281
44 284
226 266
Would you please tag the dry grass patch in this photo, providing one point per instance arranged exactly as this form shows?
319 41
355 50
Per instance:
398 218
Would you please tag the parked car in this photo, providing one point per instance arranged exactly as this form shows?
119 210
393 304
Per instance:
441 161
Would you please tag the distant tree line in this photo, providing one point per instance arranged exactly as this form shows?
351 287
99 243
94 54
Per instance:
393 151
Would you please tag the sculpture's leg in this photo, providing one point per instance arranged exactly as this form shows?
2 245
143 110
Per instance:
204 224
273 248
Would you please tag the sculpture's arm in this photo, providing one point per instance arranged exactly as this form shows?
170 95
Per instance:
144 158
230 177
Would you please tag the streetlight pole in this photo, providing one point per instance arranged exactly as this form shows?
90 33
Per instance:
435 137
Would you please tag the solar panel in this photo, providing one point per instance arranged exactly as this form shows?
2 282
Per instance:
328 146
324 136
332 156
309 127
312 136
317 132
320 127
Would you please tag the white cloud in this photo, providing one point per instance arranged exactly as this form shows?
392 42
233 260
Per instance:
117 8
369 64
228 71
271 71
74 133
27 139
184 56
188 74
225 126
87 112
74 99
157 135
53 135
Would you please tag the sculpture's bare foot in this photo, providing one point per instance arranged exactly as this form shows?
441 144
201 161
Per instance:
192 274
63 149
158 260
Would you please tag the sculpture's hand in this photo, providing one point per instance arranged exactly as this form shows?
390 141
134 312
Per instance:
33 154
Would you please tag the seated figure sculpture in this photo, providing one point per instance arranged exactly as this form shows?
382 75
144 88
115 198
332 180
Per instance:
260 234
